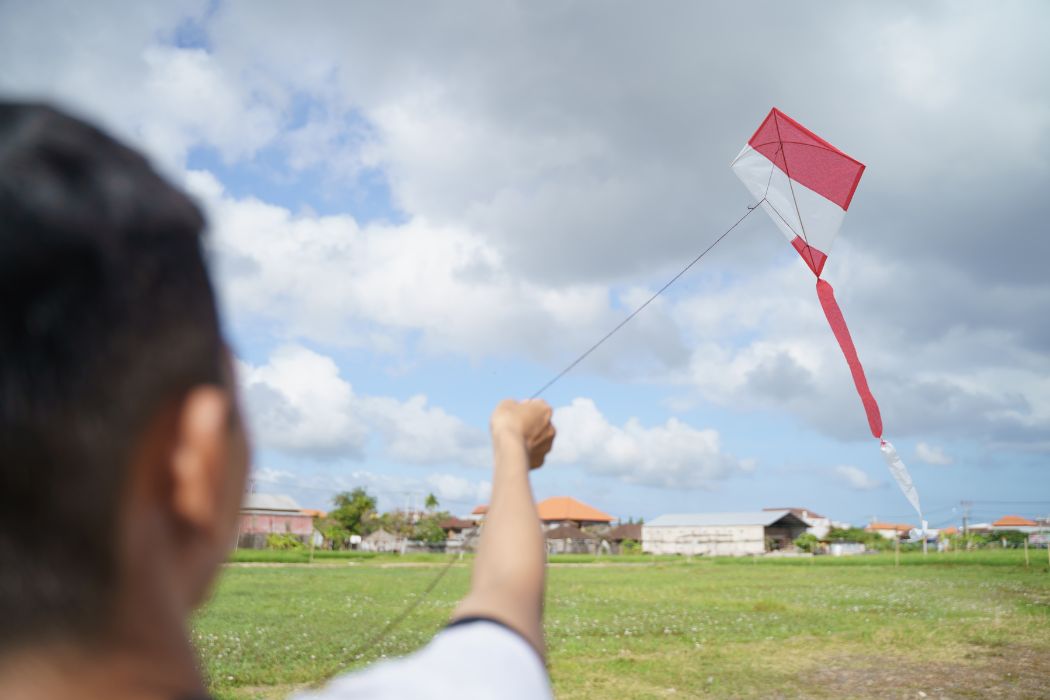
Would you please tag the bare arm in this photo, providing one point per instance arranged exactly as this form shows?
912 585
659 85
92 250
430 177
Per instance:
508 579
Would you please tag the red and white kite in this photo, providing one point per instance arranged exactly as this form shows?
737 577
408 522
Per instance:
805 185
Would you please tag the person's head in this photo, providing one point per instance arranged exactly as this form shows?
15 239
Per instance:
122 456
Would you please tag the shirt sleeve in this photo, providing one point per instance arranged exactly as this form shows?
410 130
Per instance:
478 659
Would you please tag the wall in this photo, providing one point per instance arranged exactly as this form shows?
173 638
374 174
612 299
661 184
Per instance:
735 540
572 546
276 523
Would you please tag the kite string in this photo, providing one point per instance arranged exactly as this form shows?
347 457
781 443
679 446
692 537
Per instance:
379 636
568 368
374 641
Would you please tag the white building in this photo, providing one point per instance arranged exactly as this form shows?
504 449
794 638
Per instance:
818 524
727 534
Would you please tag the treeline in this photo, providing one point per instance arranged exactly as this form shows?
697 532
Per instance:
355 513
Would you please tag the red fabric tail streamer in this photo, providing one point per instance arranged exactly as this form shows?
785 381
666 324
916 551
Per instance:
838 326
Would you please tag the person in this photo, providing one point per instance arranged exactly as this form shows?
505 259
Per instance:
123 456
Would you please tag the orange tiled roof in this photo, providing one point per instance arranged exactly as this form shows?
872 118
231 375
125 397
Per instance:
949 530
899 527
566 508
1014 521
479 510
313 512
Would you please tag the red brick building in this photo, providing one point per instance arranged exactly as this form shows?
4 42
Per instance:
264 514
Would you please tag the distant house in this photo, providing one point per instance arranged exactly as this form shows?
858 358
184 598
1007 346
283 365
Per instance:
891 531
558 511
265 514
455 526
460 533
613 538
818 524
381 541
730 534
569 539
564 510
1015 522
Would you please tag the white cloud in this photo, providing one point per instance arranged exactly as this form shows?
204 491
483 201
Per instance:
455 493
299 403
330 280
932 454
417 433
533 192
673 455
115 66
856 479
453 489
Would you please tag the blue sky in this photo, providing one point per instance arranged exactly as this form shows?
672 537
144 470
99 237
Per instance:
416 215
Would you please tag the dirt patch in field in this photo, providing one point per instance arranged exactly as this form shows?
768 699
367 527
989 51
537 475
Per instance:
1011 672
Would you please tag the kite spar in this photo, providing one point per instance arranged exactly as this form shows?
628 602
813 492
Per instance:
805 185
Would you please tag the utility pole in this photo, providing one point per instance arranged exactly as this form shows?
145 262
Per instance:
966 505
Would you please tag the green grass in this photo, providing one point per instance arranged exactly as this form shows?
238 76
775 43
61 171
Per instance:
969 625
303 556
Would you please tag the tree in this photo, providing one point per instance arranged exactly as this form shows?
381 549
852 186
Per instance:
1012 538
807 542
334 533
432 502
355 511
429 530
872 540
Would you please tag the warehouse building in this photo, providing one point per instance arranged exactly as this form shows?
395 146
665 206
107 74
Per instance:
722 534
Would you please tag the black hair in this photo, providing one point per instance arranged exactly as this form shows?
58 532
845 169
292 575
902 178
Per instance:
106 314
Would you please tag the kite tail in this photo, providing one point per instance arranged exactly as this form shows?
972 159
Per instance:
903 478
838 326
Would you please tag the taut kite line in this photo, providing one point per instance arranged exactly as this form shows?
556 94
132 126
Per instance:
805 185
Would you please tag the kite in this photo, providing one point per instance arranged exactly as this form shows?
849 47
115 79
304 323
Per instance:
806 185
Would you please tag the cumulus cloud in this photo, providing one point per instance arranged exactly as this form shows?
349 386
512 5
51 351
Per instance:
673 455
454 492
299 403
125 72
331 280
856 478
932 454
752 348
417 433
457 489
547 159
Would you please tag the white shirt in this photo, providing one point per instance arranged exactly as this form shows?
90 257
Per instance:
479 659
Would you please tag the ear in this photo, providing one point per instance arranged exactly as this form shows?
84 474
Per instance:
199 457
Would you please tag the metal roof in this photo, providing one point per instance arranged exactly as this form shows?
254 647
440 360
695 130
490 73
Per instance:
765 518
269 501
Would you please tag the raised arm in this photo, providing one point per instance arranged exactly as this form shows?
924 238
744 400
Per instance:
508 579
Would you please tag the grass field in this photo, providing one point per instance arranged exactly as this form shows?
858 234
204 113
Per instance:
967 625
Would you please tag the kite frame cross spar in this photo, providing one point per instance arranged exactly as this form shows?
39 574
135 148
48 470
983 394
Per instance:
825 179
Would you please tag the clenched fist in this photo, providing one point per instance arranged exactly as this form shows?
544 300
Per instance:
529 421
